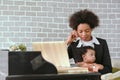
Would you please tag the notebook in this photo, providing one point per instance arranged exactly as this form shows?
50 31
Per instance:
56 53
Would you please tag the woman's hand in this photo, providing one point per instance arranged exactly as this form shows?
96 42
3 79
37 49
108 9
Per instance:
73 35
99 66
93 67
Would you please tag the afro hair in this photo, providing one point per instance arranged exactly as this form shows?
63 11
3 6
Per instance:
83 16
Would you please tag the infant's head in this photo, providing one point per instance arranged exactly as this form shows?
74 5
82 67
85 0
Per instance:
88 54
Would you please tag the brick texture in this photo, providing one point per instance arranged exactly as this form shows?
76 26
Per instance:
27 21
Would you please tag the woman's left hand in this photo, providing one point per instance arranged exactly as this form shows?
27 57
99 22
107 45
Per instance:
99 66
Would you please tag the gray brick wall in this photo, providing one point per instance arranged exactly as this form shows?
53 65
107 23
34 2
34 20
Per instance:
27 21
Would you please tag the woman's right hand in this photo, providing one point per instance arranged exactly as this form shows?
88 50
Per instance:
73 35
91 67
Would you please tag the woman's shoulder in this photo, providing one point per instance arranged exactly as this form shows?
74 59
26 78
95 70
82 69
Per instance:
101 40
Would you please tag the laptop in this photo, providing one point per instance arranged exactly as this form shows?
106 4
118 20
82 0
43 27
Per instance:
56 53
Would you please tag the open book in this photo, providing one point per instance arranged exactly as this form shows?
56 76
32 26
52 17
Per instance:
56 53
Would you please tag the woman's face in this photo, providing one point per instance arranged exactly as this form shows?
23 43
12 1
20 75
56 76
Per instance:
84 32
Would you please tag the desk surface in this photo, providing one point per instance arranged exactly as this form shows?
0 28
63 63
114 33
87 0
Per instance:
87 76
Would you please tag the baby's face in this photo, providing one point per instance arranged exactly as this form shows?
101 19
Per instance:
89 57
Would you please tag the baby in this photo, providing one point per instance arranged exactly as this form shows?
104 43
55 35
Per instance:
88 57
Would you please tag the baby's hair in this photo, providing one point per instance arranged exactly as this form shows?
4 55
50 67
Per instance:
84 49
